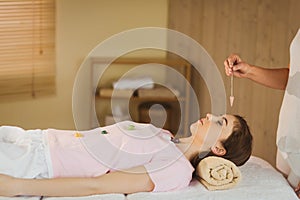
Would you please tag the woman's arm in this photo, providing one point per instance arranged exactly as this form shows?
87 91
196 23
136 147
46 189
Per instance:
133 180
273 78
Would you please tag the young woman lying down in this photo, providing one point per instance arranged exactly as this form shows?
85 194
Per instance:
126 157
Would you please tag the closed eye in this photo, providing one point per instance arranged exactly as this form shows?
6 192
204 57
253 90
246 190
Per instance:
226 121
220 122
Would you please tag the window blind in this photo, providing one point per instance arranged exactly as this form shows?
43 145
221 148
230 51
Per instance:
27 48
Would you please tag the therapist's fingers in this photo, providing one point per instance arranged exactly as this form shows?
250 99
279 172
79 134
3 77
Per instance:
241 69
232 60
228 69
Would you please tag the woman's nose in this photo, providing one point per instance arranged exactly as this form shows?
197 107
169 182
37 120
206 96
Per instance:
213 118
208 116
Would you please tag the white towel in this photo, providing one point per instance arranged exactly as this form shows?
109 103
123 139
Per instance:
134 83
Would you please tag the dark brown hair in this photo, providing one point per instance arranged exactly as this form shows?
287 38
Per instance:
238 145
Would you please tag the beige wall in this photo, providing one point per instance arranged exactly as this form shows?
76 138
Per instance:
81 25
261 32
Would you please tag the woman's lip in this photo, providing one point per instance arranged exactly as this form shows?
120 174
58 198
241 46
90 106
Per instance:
200 120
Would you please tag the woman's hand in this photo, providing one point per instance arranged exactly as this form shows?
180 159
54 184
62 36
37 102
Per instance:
8 186
297 190
235 66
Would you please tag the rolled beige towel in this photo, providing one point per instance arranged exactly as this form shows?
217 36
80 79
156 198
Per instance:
217 173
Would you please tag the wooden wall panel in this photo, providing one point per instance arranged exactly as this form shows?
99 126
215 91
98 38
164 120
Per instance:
261 32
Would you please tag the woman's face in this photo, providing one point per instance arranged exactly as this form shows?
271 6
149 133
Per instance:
224 123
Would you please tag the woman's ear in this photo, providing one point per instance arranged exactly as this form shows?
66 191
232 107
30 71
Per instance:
218 150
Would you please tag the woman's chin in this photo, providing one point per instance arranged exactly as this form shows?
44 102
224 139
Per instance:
193 128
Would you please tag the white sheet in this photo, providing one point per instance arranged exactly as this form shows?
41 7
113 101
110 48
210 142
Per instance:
94 197
26 148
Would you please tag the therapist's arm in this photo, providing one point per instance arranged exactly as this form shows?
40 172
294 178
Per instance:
133 180
273 78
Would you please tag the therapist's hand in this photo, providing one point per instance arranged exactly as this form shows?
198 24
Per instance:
234 65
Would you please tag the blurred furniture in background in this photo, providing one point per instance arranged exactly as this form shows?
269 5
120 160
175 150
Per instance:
162 99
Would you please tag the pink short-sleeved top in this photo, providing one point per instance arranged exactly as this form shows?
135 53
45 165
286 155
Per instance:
119 147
